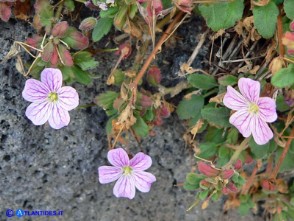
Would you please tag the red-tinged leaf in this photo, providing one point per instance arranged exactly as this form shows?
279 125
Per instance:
75 39
5 11
22 9
238 165
232 187
164 112
88 24
54 58
124 50
227 174
65 56
154 75
60 29
156 6
225 191
146 101
47 52
207 169
35 41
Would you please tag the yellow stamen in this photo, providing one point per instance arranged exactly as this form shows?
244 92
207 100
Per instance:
53 96
127 170
253 108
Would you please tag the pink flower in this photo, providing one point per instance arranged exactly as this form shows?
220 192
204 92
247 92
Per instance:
50 101
129 174
252 112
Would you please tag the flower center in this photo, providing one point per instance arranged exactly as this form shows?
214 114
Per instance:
53 96
127 170
253 108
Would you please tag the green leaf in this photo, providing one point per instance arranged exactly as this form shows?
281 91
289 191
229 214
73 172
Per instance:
85 60
284 77
261 151
265 19
109 13
289 8
214 135
202 81
106 99
207 150
222 15
46 14
194 179
81 76
149 115
77 74
203 194
189 108
232 136
216 116
102 28
70 5
140 127
281 104
228 80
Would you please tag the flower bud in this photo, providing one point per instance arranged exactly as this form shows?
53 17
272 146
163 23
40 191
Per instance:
88 24
164 111
292 26
207 169
276 64
154 76
268 185
184 5
125 50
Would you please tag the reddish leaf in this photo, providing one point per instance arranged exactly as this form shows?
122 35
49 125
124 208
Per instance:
65 55
232 187
185 5
268 185
207 169
154 75
22 9
54 58
60 29
35 41
75 39
48 52
124 50
5 11
227 174
88 24
164 111
146 101
238 165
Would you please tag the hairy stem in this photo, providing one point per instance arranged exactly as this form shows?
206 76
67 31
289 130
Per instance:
283 155
280 34
157 48
237 153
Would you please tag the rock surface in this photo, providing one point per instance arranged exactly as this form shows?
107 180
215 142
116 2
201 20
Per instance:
46 169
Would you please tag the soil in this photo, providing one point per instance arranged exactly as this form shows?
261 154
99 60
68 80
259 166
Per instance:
46 169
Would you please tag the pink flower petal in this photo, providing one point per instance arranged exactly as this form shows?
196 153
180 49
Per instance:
242 121
118 157
52 77
250 89
39 113
125 187
68 98
261 131
234 100
35 91
141 161
108 174
267 109
59 117
143 180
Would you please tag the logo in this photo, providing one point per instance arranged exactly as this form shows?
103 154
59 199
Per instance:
9 213
19 213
